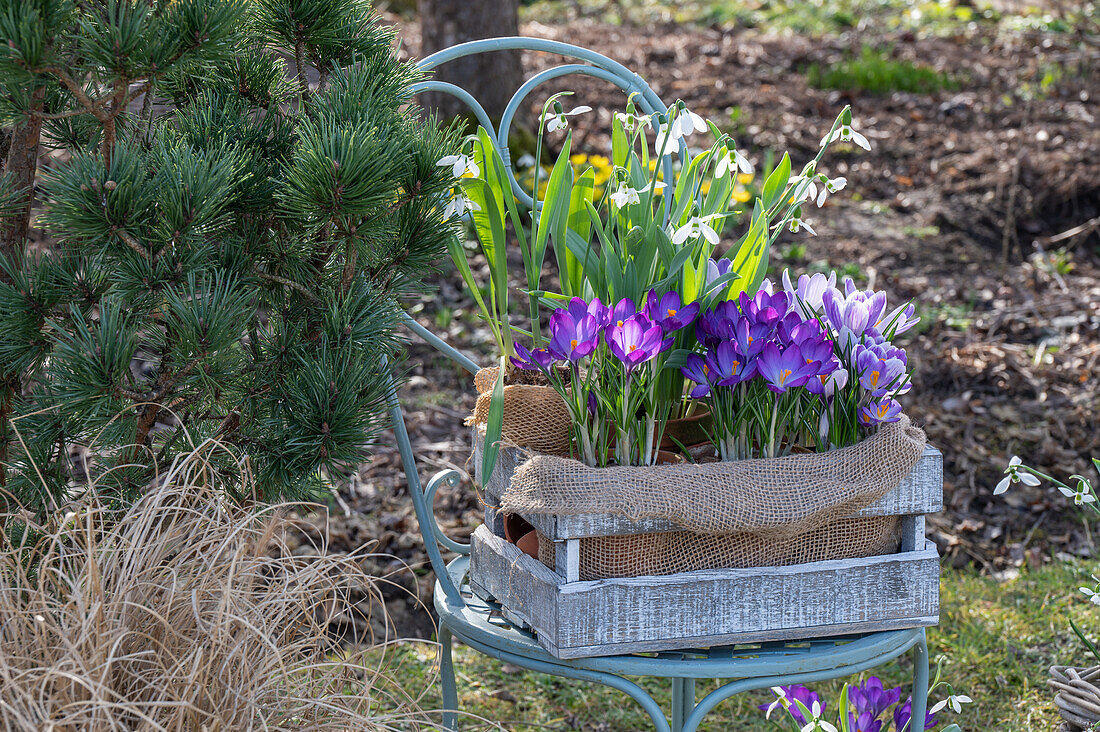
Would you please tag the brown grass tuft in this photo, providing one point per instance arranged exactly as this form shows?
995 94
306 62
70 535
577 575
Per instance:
181 613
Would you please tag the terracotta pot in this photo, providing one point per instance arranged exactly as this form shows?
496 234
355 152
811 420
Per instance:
666 457
529 544
688 431
515 528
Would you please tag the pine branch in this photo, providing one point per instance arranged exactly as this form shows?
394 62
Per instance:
289 283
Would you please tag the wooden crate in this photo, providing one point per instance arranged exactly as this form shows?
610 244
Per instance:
575 619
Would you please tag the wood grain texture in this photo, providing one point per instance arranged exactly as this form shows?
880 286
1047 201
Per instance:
710 607
920 492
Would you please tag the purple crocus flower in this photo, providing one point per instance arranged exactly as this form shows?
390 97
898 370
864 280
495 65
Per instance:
880 371
718 268
898 320
871 696
863 722
903 715
578 308
880 412
765 307
809 290
727 367
828 380
623 309
636 341
802 694
785 369
853 315
696 369
572 339
536 360
750 337
715 326
668 312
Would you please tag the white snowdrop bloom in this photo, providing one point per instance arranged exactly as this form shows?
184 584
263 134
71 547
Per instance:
560 121
829 185
460 165
1013 474
817 723
695 227
798 224
954 701
527 160
780 701
625 195
685 123
1092 595
845 133
631 122
1081 496
730 161
458 206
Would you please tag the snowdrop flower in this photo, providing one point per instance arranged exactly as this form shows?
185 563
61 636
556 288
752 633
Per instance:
781 700
527 160
845 133
558 120
460 165
1081 496
817 723
625 195
631 122
829 185
730 161
1013 474
1091 594
797 224
809 191
956 702
458 206
695 227
668 136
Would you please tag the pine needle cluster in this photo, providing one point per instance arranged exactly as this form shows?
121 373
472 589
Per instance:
247 196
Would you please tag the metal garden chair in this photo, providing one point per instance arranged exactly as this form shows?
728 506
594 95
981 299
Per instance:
473 621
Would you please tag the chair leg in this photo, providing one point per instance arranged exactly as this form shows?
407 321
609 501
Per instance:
683 701
920 683
447 679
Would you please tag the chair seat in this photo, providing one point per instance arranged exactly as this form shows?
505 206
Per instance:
480 625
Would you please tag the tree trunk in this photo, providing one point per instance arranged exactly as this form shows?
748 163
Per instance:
22 163
491 78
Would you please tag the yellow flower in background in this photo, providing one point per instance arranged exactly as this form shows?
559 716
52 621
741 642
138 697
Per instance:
578 158
745 178
704 187
741 194
599 161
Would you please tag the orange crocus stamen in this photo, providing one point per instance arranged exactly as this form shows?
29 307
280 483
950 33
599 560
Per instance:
671 312
573 343
620 324
784 375
632 348
874 377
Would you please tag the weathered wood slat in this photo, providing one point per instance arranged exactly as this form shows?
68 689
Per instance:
920 492
709 607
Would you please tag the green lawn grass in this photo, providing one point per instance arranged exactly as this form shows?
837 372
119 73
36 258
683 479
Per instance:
999 638
875 72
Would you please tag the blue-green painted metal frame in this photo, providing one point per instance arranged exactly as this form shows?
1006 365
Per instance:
479 624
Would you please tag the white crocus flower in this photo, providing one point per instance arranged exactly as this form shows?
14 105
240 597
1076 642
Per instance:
955 701
730 161
458 206
695 227
1013 474
817 723
559 120
1081 496
780 701
845 133
460 165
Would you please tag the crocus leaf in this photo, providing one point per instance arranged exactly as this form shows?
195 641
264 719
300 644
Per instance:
583 192
952 728
1084 639
751 260
494 424
458 256
776 183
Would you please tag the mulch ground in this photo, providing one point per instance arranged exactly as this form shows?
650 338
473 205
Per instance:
980 204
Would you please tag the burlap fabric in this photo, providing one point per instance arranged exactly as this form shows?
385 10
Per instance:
535 417
779 498
604 557
750 513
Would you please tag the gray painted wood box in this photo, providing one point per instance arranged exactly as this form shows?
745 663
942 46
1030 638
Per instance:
574 619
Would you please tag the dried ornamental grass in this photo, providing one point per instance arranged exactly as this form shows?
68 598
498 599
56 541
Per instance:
182 612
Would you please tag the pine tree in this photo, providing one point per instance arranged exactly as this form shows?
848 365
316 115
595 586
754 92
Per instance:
232 239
